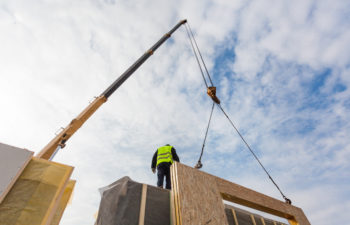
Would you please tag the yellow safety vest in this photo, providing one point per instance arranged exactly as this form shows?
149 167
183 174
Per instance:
164 154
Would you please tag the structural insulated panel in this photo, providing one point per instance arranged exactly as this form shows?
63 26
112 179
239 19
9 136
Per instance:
197 197
35 196
12 162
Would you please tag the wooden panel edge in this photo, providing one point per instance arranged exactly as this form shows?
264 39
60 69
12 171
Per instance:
172 202
234 216
253 219
175 189
255 200
60 189
64 201
13 181
143 204
293 222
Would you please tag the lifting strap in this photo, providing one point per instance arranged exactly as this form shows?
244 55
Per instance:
211 91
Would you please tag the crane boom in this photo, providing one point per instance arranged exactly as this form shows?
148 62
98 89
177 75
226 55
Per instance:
49 151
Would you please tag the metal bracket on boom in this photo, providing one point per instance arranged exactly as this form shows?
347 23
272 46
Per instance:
211 91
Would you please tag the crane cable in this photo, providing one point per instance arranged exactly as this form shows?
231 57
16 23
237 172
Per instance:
250 149
195 54
199 52
193 40
199 164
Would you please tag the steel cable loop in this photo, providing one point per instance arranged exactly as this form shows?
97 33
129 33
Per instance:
284 197
195 54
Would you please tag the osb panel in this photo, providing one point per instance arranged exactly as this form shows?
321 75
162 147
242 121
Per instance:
247 197
199 200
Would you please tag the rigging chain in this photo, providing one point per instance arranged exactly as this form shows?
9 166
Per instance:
212 94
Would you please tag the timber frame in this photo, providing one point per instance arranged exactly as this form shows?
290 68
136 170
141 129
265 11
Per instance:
197 198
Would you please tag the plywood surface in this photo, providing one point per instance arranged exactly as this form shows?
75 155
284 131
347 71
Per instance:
247 197
12 162
199 200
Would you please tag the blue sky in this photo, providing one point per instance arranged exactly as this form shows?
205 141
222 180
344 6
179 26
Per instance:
282 69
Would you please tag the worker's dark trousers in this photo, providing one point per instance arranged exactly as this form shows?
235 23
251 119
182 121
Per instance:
164 170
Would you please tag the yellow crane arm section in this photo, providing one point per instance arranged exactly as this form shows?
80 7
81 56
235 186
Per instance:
74 125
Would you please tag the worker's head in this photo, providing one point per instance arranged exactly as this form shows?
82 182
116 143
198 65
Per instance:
167 145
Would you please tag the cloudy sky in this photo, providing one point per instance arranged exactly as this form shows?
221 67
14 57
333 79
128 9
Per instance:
282 69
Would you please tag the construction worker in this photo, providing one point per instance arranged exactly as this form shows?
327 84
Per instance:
162 159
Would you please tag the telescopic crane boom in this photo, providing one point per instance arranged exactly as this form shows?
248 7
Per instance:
49 151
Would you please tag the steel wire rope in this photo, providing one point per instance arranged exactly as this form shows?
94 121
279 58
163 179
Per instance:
199 163
195 42
189 31
245 142
195 54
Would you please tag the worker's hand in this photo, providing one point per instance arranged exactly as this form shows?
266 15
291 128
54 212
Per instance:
154 170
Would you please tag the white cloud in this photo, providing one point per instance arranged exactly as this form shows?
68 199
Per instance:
56 56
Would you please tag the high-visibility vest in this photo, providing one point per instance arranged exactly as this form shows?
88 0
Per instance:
164 154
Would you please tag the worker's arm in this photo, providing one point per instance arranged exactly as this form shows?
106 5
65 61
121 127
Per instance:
175 156
154 159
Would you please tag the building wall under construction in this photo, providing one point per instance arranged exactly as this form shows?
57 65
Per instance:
127 202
